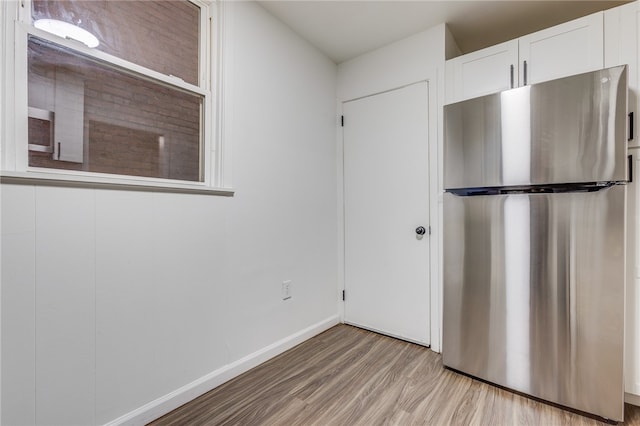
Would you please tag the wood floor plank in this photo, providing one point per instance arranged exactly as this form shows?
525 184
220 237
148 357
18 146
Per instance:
468 404
356 376
335 370
365 405
402 418
445 398
350 376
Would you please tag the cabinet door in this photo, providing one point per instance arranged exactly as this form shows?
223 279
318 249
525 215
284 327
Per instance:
571 48
482 72
69 117
621 46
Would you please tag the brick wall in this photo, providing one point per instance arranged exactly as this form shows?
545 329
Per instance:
114 148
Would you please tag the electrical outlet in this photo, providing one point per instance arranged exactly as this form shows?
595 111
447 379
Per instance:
286 290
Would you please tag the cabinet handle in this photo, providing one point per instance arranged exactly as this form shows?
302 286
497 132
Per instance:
525 72
630 160
59 149
512 76
630 126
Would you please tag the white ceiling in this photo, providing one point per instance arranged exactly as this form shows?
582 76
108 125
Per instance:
345 29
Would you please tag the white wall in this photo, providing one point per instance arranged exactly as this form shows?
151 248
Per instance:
113 298
404 62
417 58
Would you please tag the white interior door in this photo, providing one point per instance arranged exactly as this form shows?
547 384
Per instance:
386 198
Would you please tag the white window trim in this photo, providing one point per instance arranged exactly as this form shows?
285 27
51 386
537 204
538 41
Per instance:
15 18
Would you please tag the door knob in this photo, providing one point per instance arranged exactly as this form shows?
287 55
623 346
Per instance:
420 230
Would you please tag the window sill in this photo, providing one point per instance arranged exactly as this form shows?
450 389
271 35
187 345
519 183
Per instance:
63 180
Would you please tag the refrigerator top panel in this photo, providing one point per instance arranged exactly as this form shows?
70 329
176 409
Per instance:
564 131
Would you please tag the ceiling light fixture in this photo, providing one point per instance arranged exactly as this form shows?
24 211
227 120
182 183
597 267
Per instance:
67 30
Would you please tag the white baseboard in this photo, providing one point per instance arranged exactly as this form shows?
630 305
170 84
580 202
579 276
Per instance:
632 399
175 399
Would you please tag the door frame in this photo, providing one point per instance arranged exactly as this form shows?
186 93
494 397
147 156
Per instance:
434 108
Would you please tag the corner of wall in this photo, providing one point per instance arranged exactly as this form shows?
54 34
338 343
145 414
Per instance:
451 49
167 403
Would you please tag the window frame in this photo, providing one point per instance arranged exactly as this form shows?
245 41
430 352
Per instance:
14 154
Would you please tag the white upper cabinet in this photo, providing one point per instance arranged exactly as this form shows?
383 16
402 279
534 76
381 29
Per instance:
566 49
69 118
482 72
622 46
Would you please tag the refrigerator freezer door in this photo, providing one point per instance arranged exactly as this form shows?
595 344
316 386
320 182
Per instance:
570 130
534 294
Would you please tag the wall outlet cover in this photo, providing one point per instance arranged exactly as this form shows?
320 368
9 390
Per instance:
286 290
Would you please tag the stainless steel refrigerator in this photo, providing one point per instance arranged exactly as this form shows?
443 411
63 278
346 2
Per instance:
534 240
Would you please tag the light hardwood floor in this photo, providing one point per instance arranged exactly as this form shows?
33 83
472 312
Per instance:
349 376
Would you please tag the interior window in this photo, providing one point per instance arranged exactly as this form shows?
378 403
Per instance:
106 113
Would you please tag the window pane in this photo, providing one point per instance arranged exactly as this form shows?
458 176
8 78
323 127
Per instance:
89 116
160 35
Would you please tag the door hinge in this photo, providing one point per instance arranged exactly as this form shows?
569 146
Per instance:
342 121
343 295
